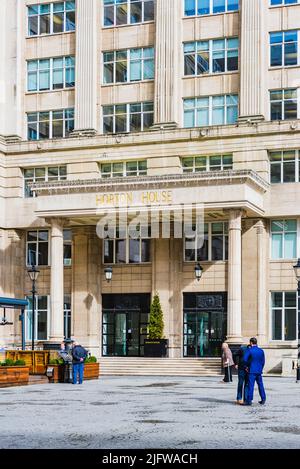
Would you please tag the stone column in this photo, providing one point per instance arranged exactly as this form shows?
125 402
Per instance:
168 58
2 253
253 60
57 281
262 268
234 326
81 300
87 62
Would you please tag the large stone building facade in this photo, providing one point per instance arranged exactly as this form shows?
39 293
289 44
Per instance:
174 101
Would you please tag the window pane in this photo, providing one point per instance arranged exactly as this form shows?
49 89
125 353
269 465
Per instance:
43 254
276 55
290 324
275 173
218 6
120 251
109 15
58 22
136 12
33 26
121 14
277 299
45 24
190 7
277 324
70 21
136 70
289 172
108 251
276 111
276 246
42 325
146 243
290 109
149 10
290 300
31 254
203 7
217 248
134 250
290 245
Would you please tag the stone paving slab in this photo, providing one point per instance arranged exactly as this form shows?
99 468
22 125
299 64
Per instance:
149 412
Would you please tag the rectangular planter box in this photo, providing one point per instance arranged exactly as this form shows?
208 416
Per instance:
156 348
14 376
91 371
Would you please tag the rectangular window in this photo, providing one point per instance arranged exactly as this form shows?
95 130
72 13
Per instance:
130 65
284 166
131 246
283 2
121 12
209 7
284 239
120 169
41 319
67 316
52 173
51 18
50 124
211 110
214 56
284 315
120 118
51 74
206 163
212 246
284 48
37 248
284 104
67 247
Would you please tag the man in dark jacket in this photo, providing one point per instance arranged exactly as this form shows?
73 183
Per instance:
79 354
254 359
242 374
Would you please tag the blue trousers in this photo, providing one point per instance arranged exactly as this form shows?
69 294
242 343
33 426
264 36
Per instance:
252 378
242 385
78 369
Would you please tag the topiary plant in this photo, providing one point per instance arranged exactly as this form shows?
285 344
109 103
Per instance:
156 320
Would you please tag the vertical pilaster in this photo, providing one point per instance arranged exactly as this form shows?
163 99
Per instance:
12 37
262 264
57 281
234 327
86 67
167 64
252 60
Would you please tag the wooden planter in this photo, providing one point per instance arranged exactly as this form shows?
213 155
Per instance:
13 376
91 371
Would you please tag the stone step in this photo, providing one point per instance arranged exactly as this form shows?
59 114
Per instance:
38 379
159 366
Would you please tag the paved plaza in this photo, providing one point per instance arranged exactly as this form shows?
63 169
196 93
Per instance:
149 412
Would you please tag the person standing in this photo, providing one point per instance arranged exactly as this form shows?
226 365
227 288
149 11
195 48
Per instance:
254 359
242 374
227 362
79 354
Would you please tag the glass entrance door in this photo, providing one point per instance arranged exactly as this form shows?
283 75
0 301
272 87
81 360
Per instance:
124 324
203 334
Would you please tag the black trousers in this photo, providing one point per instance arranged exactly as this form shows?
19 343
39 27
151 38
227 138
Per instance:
228 374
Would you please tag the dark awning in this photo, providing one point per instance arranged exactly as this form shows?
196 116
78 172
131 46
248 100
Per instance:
13 303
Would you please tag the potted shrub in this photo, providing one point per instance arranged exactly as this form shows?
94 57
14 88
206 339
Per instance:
91 368
13 373
156 345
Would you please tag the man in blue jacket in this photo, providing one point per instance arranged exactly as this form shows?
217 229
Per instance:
254 359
